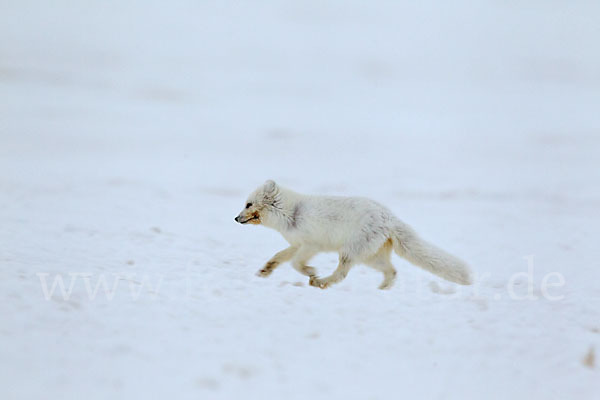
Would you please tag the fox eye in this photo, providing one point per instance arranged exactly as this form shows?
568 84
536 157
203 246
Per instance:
248 205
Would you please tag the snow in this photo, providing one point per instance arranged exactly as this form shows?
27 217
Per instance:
132 132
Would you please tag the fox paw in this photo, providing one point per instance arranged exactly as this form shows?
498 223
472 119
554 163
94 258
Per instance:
316 282
386 285
266 270
263 273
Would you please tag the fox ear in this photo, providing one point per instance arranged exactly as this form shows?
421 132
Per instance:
270 186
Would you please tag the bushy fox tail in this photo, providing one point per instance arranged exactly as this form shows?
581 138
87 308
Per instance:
409 245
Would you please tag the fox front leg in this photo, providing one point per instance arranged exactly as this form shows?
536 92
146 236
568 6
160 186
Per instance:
276 260
302 256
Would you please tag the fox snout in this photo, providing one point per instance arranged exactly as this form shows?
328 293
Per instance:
240 219
246 217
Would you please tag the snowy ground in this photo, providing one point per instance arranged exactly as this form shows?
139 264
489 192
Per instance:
132 132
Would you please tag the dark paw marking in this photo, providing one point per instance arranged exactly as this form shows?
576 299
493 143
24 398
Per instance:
263 273
267 269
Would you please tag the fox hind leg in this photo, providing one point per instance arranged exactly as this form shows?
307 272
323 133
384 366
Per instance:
338 275
381 262
389 276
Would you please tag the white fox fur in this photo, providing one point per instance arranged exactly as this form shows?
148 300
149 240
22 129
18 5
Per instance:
361 230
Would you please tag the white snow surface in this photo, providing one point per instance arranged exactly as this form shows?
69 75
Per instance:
132 132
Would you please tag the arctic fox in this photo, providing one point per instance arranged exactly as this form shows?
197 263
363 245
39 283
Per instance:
360 230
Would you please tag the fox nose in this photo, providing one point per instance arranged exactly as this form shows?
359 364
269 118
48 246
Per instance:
236 219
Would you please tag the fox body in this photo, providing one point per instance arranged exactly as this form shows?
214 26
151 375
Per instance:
360 230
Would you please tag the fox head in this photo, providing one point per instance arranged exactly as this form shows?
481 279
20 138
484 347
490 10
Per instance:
259 204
